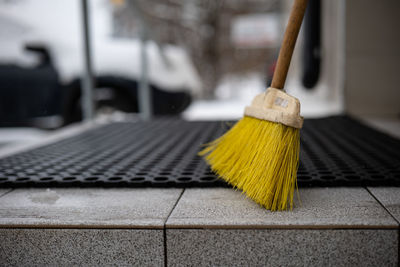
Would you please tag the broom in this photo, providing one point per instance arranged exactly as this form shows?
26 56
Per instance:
260 154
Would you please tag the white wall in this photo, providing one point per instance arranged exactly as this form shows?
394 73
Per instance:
373 57
326 98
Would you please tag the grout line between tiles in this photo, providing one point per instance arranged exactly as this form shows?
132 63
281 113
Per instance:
383 206
7 192
165 228
79 226
173 208
76 228
281 227
165 246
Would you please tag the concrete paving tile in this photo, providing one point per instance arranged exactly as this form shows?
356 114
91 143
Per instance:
4 191
389 197
320 208
282 247
88 208
81 247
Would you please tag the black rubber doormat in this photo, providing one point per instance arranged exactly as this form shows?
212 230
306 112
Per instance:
335 151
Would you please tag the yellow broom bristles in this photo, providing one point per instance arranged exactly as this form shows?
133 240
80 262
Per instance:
260 158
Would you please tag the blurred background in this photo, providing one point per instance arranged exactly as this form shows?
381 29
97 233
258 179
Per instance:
197 59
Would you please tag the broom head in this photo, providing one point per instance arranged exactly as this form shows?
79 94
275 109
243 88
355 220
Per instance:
260 154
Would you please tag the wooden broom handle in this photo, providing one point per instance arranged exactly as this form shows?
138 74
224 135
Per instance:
289 41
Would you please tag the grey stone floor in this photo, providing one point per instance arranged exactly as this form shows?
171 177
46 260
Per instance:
198 227
201 227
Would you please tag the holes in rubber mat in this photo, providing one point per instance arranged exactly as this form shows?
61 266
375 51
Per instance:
328 177
207 178
137 179
91 178
334 151
115 178
352 177
377 177
158 179
304 177
69 178
46 178
184 179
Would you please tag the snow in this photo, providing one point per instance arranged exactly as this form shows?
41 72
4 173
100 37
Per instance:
57 23
236 92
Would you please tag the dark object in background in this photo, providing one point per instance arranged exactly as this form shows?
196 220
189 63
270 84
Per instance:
29 93
34 97
116 93
42 51
312 44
